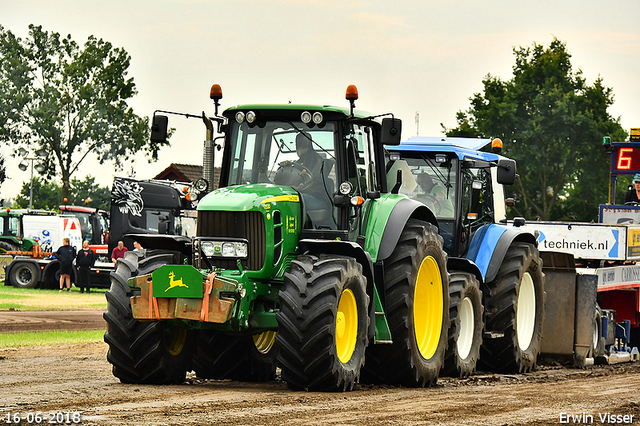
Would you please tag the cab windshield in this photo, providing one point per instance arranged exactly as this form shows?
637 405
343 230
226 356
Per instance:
426 180
262 153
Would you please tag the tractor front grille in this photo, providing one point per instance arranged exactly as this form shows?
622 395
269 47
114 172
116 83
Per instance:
249 225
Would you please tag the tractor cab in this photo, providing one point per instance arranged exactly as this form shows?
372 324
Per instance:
459 183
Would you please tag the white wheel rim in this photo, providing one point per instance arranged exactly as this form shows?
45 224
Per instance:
465 328
526 315
596 333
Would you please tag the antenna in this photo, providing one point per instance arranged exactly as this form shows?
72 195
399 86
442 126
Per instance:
417 123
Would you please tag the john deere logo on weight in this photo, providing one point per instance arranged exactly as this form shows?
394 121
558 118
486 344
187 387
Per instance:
177 281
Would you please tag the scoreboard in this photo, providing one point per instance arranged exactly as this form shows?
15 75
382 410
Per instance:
625 157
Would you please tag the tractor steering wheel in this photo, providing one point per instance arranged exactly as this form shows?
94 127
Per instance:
294 174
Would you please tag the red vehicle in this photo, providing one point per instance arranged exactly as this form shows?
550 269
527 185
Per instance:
94 225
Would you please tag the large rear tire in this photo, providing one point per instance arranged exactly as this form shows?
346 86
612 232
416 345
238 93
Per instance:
151 352
322 323
6 246
466 325
244 358
416 287
515 309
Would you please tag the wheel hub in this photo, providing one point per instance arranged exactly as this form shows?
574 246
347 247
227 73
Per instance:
346 326
526 315
428 307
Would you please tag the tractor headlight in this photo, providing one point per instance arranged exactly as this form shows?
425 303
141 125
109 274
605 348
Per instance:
209 248
235 249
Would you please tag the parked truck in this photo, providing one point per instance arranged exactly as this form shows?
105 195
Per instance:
31 237
94 225
138 206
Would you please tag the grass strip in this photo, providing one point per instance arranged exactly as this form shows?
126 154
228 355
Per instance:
26 299
49 338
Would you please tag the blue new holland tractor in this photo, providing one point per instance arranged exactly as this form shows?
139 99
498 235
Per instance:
496 281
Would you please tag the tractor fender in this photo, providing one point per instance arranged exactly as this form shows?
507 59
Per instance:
464 265
351 249
490 244
17 261
404 210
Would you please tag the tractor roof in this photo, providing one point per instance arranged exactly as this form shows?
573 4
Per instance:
462 147
298 107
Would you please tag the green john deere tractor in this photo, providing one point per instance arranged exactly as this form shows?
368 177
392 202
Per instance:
303 259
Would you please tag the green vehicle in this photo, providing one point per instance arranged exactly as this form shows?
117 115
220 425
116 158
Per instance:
303 259
12 238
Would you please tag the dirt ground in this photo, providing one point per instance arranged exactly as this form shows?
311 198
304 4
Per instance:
77 379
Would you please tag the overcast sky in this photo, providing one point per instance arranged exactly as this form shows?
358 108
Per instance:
406 57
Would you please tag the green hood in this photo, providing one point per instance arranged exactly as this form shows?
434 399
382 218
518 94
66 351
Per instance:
247 197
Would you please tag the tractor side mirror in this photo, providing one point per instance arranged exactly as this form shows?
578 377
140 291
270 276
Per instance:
391 131
506 171
159 128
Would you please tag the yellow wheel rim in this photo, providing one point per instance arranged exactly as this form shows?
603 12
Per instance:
346 326
264 341
175 339
428 307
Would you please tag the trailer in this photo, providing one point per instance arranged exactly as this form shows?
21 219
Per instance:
609 253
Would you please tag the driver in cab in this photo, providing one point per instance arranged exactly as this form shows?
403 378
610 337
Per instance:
312 161
434 195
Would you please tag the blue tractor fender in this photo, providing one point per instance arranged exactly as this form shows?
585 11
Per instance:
403 211
490 244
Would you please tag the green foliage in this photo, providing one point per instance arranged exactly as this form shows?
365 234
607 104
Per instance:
69 102
552 123
47 195
3 170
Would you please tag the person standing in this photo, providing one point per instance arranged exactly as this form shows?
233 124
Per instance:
66 254
633 195
84 261
118 252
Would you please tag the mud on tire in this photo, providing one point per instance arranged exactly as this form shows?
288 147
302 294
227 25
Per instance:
322 323
466 325
416 288
514 304
152 352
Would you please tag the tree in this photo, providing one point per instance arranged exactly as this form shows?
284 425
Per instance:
69 102
3 176
47 195
88 193
552 123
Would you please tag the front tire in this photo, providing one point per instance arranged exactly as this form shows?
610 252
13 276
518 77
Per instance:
515 309
150 352
24 275
466 325
322 323
417 308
